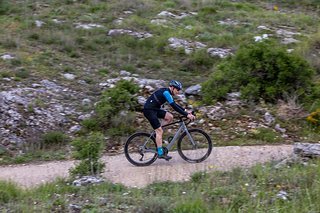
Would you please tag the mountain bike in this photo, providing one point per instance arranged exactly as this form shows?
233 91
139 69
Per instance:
194 145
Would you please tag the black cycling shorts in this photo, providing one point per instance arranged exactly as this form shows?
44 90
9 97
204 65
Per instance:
153 116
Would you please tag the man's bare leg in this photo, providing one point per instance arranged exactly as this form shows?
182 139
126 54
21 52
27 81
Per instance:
167 119
159 133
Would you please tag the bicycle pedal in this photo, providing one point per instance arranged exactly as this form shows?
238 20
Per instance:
165 157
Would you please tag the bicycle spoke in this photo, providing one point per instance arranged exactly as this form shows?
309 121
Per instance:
140 149
194 146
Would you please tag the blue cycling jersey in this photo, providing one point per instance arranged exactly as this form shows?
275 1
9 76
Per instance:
161 96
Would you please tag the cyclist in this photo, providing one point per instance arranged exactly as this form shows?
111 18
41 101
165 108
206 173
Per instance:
152 111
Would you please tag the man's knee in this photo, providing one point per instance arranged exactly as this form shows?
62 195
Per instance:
159 131
169 117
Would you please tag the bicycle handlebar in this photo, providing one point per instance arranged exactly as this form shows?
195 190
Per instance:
181 118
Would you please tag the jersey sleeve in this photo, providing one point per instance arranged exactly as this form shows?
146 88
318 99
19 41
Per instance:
168 97
173 104
178 108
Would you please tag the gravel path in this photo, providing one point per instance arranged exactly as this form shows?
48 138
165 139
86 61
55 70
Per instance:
119 170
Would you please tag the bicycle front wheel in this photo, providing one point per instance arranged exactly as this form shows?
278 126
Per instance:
141 149
194 146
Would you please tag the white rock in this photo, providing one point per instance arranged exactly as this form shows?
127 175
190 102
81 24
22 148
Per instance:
167 14
124 73
263 28
7 57
39 23
220 52
158 21
69 76
193 90
88 26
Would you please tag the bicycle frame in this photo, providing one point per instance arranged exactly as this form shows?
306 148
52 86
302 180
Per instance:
182 128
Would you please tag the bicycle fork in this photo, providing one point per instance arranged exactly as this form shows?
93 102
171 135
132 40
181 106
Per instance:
194 144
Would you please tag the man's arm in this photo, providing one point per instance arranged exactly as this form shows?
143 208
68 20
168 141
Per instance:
178 108
173 104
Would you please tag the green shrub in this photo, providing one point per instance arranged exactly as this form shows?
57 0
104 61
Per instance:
90 124
200 60
198 177
103 71
34 36
88 149
22 74
119 124
16 62
8 192
54 138
115 100
9 43
208 10
191 206
310 50
6 74
154 205
260 70
265 135
169 4
6 7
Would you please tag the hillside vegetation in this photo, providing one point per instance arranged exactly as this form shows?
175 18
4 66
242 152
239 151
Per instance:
56 54
267 50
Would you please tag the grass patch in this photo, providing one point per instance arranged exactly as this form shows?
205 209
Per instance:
251 190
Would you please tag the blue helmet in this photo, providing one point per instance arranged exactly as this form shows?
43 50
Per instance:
176 84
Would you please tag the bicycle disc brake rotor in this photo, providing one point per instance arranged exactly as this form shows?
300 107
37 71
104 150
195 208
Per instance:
165 150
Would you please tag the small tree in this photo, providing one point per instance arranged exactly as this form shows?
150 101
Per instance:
114 110
260 70
314 118
88 149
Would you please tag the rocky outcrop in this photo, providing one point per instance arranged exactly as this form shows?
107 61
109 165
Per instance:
28 112
307 150
140 35
191 46
285 33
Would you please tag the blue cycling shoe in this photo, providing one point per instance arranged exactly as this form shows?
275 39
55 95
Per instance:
162 155
166 157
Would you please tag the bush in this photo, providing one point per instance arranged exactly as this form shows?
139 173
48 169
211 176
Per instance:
191 206
310 50
266 135
200 60
88 149
114 102
260 70
90 124
8 192
314 118
5 7
154 205
54 138
119 124
23 74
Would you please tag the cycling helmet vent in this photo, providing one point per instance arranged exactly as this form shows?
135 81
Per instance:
176 84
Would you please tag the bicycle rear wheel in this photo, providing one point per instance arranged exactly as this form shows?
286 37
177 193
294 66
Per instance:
194 147
141 149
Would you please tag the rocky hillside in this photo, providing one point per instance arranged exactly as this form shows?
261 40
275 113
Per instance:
57 57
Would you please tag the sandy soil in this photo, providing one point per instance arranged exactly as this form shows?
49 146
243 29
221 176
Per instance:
119 170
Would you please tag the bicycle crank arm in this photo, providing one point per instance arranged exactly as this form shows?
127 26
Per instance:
142 155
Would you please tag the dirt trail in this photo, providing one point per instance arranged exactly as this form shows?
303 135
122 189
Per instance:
119 170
